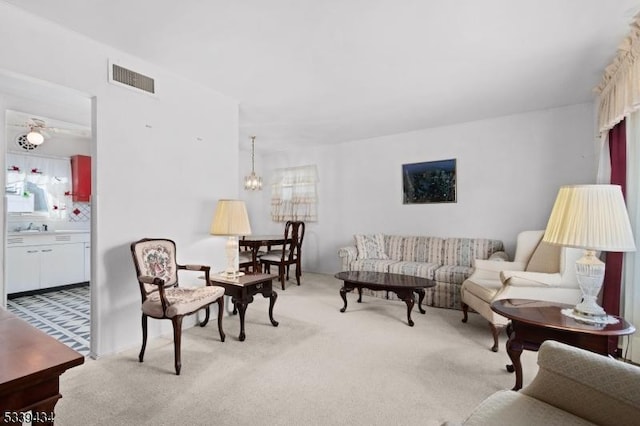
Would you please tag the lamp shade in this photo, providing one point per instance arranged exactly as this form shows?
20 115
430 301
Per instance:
592 217
230 218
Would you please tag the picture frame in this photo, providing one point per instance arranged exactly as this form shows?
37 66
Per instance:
429 182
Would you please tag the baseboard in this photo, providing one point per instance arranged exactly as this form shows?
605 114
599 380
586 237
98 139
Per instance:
46 290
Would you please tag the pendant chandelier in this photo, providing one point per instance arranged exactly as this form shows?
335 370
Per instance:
253 182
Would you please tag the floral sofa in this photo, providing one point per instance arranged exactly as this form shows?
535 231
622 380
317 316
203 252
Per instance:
447 261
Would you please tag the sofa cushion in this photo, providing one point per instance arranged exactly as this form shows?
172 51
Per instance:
510 408
370 246
373 265
462 251
423 249
545 258
453 274
416 269
394 246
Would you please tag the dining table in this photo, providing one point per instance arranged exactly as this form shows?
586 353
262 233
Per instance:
254 242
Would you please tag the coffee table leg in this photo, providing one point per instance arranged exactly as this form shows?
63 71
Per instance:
407 297
272 301
410 302
514 350
359 294
343 294
421 295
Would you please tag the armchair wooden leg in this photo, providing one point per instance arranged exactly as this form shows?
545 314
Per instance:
177 336
144 338
465 311
298 274
496 332
220 312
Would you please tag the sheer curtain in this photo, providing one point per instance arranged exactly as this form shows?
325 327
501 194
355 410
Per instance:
294 194
631 281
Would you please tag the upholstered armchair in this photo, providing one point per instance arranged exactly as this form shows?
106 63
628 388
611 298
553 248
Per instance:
163 298
539 271
572 387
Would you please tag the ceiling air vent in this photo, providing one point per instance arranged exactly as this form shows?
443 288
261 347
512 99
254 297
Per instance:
130 78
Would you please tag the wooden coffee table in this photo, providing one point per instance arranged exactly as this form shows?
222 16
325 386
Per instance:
533 322
242 290
402 285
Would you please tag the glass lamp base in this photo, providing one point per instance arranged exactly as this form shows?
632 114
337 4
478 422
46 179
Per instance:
595 321
235 274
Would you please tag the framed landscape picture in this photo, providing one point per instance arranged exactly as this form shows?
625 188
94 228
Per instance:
429 182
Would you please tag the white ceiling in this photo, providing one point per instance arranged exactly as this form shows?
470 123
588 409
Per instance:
312 72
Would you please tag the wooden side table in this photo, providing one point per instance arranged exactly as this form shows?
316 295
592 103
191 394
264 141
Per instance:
533 322
242 290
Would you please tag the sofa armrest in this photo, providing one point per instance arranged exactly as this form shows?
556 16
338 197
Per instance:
347 256
499 255
497 265
530 279
591 386
490 269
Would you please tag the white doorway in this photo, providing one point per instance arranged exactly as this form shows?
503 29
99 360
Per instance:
46 248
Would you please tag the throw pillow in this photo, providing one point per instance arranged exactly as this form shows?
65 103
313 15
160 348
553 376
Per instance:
546 258
370 246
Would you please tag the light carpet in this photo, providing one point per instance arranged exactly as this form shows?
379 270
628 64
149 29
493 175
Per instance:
318 367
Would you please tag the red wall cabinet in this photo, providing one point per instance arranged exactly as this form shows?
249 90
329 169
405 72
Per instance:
81 177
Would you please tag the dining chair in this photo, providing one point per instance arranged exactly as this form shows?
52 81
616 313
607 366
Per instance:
162 298
245 262
290 254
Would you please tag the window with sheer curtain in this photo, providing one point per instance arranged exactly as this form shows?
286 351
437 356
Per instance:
294 194
619 124
43 182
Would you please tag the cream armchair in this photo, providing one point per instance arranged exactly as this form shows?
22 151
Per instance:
538 271
572 387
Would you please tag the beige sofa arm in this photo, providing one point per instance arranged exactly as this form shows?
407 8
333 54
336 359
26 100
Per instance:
490 269
499 256
347 256
530 279
591 386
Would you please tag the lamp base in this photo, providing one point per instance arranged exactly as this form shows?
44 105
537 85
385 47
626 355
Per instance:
590 320
589 308
231 275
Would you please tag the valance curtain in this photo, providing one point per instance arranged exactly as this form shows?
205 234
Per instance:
294 194
619 89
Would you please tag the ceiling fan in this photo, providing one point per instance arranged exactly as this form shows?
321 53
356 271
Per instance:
38 132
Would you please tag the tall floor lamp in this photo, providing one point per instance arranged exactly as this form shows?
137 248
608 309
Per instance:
592 217
231 219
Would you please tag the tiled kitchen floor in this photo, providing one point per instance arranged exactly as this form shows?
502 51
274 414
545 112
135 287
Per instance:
63 314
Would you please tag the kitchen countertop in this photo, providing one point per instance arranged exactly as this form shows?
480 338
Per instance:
57 231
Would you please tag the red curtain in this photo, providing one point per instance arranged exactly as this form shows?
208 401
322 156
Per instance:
613 263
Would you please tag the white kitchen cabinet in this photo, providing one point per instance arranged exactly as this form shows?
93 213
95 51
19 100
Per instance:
23 271
61 264
45 260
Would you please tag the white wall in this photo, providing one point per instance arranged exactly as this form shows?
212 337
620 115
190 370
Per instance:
509 170
161 162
